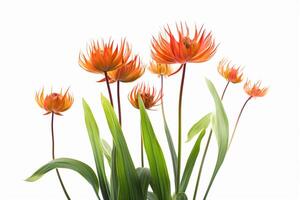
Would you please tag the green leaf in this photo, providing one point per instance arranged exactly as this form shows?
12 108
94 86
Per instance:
83 169
129 187
114 186
151 196
96 144
145 178
107 151
180 196
220 128
158 167
200 125
189 166
171 145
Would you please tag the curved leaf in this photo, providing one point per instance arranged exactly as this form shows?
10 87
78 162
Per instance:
171 146
145 178
157 163
221 129
180 196
107 151
189 166
97 148
83 169
200 125
129 187
151 196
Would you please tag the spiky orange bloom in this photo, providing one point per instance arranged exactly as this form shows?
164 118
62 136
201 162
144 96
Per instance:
230 72
129 72
149 96
54 102
255 90
103 57
160 69
168 50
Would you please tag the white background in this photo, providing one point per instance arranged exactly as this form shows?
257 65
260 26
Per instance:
39 46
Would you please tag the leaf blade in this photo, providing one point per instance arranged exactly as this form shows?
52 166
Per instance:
190 163
221 129
158 167
128 183
93 132
83 169
200 125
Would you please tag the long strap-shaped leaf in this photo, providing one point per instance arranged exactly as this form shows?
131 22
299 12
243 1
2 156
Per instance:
171 146
221 129
83 169
97 148
200 125
129 187
190 163
157 163
145 178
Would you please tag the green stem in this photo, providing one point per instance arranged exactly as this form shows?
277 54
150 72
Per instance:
237 121
53 157
205 151
179 128
119 102
108 88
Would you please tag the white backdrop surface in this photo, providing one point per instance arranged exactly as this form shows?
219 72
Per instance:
39 46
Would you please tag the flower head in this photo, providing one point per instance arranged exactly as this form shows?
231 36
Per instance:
230 72
255 90
54 102
103 57
149 96
168 49
160 69
129 72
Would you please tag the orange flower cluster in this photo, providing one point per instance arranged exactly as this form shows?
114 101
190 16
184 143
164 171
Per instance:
160 69
168 49
129 72
230 72
54 102
255 90
104 57
149 96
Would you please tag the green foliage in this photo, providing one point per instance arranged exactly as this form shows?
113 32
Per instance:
129 187
97 148
158 167
221 129
83 169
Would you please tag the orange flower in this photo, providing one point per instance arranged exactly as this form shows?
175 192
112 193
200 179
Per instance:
128 72
160 69
168 50
230 72
149 96
54 102
104 57
255 90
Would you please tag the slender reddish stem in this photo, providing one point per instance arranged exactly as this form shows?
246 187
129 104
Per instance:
180 127
238 119
108 88
119 103
205 151
53 157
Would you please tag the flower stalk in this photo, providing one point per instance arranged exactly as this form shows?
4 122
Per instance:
108 88
238 119
180 127
53 157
